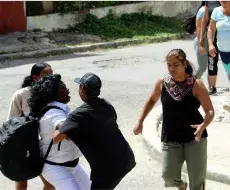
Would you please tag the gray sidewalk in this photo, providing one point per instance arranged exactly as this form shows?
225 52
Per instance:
35 45
218 138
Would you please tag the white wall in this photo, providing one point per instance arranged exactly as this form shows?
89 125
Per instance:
52 21
163 8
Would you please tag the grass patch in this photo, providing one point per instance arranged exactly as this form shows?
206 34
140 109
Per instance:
132 26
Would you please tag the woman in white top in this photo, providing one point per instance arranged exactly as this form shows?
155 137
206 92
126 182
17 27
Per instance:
51 91
18 105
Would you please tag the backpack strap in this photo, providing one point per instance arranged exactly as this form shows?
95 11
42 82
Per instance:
47 108
71 163
48 150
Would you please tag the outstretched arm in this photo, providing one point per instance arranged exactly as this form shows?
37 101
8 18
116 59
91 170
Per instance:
148 106
58 136
64 128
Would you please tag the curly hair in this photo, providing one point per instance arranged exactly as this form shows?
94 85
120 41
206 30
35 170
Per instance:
42 93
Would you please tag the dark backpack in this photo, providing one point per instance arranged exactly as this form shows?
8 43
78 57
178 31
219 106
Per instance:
20 156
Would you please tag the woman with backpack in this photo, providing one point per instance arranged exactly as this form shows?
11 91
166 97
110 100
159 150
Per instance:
61 167
204 59
18 106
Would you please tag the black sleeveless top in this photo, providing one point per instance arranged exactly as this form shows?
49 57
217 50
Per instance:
180 111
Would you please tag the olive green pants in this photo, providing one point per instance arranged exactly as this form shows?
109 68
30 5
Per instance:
195 156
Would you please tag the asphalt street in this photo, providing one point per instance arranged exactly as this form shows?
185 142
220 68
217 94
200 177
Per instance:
128 77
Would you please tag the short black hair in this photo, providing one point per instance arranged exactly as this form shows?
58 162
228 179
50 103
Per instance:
42 93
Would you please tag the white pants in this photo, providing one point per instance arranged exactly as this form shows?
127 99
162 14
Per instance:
63 178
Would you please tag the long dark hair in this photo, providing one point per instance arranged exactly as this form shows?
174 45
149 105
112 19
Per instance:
190 23
180 54
36 70
42 93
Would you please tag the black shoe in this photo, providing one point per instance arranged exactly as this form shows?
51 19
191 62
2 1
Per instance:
212 91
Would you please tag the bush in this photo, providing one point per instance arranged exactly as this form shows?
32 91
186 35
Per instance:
128 25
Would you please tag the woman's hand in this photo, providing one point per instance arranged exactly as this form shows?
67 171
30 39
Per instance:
212 50
199 130
138 129
58 137
202 50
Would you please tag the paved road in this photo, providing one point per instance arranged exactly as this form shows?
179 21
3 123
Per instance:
128 76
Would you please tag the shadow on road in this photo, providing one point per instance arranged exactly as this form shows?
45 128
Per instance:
15 63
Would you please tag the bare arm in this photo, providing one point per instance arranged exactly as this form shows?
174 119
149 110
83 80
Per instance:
201 93
203 26
58 136
152 100
72 122
211 35
148 106
198 27
211 32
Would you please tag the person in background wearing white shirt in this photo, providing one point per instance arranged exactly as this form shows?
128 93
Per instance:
61 168
18 106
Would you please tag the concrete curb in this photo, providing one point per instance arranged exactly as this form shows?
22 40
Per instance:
151 139
91 47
